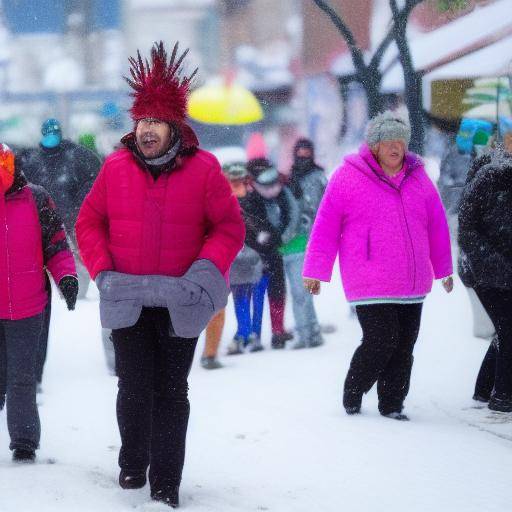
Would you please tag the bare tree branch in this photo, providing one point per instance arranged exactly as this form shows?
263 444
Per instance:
348 35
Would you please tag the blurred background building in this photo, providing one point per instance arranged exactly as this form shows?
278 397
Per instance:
66 58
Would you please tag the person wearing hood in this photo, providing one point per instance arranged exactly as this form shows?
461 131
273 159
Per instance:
485 265
307 183
273 213
158 233
383 217
66 170
32 242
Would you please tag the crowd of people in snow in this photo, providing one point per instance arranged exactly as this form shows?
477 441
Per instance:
167 234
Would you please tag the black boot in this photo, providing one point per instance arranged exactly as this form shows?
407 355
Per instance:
23 455
500 404
399 416
169 496
132 479
279 340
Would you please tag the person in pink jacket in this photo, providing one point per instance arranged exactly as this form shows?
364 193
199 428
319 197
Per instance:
382 216
32 240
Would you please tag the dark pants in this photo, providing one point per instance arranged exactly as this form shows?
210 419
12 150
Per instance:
19 341
498 305
487 373
152 401
45 332
276 290
384 356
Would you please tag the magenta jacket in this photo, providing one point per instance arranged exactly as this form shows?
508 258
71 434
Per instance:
391 236
32 238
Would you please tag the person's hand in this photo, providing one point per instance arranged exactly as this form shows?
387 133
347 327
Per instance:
68 285
448 284
312 285
263 237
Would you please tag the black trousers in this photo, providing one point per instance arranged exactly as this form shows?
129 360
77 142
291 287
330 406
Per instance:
487 373
152 401
498 305
384 356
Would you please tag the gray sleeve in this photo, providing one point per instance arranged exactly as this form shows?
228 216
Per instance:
294 211
313 193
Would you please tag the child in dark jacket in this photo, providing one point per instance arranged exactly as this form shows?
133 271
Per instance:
32 240
274 214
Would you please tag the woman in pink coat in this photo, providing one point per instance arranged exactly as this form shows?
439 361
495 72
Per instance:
32 240
383 217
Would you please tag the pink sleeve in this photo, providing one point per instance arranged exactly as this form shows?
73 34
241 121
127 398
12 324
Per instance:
92 229
439 237
326 233
62 264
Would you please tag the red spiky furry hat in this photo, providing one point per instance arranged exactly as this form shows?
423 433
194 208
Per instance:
161 91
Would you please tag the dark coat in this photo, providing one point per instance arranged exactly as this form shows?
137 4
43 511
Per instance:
485 223
67 172
257 221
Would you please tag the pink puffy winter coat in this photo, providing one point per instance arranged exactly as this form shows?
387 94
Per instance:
391 236
132 223
31 238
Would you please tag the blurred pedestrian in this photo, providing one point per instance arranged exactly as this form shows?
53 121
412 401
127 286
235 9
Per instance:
382 216
158 232
246 270
66 170
485 239
307 183
274 213
33 240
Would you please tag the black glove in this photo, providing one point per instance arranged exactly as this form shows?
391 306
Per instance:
69 287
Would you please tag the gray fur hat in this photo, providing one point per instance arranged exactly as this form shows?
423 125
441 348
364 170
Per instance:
388 126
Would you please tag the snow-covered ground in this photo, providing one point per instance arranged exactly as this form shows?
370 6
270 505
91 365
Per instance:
268 432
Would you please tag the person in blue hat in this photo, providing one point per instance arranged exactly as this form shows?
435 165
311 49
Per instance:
51 132
67 171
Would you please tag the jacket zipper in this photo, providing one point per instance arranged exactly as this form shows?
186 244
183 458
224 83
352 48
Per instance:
398 189
7 261
410 241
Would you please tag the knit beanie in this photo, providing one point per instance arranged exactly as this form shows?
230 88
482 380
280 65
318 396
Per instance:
304 143
235 171
262 171
388 126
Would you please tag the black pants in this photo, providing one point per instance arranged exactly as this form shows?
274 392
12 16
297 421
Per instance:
384 356
487 373
152 401
498 305
19 341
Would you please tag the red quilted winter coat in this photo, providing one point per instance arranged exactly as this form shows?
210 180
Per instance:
132 223
31 238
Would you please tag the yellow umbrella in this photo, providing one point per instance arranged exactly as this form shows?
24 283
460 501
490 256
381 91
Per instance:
229 104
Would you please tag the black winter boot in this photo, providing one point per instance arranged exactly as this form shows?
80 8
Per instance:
399 416
23 455
132 479
169 496
500 404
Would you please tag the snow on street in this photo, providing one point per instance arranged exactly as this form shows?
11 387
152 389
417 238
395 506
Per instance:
268 432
